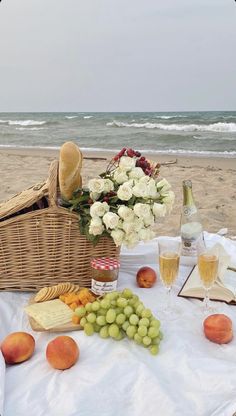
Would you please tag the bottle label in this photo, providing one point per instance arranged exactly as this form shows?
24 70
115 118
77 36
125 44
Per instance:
189 210
190 245
101 288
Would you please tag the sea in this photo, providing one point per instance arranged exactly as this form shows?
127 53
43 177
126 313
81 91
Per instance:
211 133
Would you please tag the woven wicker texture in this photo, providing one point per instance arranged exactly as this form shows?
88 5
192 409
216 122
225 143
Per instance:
44 247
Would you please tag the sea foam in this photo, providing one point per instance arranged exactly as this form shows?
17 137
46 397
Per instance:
216 127
22 122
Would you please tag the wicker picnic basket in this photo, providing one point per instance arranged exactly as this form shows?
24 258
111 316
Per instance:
40 242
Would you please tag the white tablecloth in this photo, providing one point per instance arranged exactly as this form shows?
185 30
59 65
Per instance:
190 376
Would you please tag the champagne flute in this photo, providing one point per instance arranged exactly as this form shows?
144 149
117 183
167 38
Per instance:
169 257
208 262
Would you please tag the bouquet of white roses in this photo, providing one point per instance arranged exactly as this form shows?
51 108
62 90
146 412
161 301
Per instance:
124 202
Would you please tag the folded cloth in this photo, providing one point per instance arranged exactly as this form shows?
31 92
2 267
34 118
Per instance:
2 382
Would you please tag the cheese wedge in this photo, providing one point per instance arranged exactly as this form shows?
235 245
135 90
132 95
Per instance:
50 314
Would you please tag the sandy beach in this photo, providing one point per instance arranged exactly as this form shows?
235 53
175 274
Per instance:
214 182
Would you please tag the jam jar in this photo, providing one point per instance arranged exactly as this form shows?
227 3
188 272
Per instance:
105 272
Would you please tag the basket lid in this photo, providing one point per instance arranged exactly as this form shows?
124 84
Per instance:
23 200
105 263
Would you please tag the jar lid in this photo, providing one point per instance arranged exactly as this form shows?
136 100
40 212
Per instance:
105 263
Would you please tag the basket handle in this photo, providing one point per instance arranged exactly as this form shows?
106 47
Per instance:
52 184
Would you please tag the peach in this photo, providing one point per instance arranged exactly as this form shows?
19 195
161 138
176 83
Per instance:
218 328
146 277
62 352
17 347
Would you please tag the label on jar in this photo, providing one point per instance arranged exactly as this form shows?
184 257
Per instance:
100 288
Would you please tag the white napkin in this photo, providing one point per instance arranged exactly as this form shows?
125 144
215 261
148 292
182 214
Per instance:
2 382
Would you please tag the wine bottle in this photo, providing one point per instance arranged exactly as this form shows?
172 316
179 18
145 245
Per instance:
191 227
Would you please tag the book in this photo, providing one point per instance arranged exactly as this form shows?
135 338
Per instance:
224 288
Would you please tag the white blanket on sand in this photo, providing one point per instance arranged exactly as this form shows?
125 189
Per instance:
190 376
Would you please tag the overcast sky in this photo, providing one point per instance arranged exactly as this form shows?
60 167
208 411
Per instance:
117 55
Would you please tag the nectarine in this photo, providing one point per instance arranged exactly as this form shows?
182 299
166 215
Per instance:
218 328
146 277
17 347
62 352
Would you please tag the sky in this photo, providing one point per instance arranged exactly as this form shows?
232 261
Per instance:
117 55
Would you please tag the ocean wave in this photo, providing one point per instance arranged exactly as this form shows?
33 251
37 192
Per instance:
31 128
88 116
216 127
168 117
70 117
23 122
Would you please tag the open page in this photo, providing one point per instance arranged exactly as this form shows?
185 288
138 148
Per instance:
220 291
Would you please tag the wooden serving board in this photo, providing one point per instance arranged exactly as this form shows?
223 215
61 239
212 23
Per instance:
70 326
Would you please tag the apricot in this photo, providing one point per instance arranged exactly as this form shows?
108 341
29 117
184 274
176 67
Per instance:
62 352
146 277
218 328
17 347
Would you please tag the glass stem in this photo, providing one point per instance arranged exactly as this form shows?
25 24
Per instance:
168 298
207 299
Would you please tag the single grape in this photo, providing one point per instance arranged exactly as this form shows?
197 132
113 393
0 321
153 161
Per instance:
88 329
120 319
154 349
95 306
88 307
122 302
146 313
113 330
96 327
160 335
147 341
113 302
127 293
125 325
131 330
137 338
139 309
120 336
118 310
133 300
105 303
101 320
134 319
128 310
81 311
104 332
153 331
155 322
102 312
142 331
144 321
83 321
91 317
110 316
156 341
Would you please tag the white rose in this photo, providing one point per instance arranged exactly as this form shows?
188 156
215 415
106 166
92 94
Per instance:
124 192
118 237
163 185
125 213
149 220
159 210
120 176
126 163
136 173
131 239
96 227
96 185
111 220
142 210
94 195
151 189
168 200
98 209
145 179
146 234
108 185
140 190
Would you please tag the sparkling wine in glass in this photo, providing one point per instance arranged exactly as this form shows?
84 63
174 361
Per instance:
208 268
169 256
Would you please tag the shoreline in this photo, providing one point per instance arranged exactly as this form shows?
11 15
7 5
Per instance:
181 160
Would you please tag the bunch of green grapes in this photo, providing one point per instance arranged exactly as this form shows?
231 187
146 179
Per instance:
120 314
